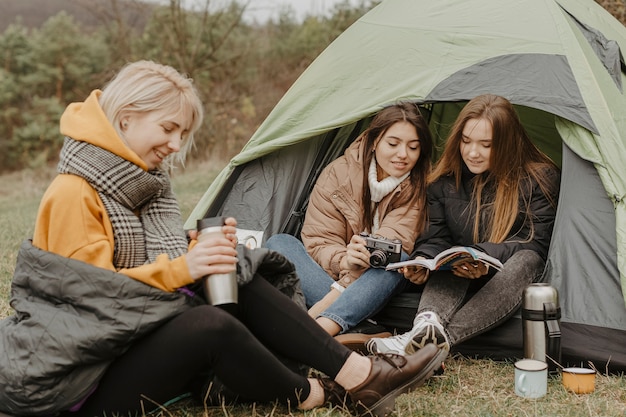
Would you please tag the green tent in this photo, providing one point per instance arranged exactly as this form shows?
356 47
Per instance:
561 63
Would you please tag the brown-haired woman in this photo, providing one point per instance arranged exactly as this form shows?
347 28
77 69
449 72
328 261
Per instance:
378 187
494 190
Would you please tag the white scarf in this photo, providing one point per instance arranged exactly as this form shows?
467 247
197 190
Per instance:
379 189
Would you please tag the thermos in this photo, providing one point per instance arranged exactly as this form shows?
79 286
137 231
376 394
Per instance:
541 316
219 289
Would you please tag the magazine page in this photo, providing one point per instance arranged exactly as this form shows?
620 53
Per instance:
449 257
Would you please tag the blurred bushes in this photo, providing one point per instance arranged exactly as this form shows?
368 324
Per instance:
241 69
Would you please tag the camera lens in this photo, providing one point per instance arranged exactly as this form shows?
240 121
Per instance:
378 258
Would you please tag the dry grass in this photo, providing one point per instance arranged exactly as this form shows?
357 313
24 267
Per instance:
468 387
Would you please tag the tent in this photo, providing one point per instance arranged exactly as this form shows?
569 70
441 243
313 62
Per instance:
561 62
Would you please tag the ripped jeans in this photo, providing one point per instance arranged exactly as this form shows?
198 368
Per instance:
467 311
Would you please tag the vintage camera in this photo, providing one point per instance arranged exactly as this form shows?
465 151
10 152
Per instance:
383 251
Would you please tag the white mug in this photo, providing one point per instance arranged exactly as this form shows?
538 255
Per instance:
531 378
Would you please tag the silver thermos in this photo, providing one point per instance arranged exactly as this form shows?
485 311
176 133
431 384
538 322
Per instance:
219 289
541 316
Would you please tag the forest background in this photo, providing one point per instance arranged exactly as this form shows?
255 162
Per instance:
53 52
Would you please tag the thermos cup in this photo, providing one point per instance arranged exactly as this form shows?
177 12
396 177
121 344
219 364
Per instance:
219 289
541 316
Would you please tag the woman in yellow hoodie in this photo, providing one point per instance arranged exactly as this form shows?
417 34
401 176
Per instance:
111 209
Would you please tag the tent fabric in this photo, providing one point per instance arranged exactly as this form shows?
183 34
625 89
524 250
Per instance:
560 62
548 72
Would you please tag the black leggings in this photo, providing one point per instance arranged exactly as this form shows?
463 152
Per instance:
237 350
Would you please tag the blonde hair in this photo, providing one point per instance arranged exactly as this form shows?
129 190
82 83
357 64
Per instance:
514 160
146 86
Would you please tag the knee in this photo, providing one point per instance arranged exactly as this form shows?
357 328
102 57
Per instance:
281 241
207 330
526 262
207 321
287 245
529 258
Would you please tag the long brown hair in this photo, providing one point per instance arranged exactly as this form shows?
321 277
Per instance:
416 193
513 162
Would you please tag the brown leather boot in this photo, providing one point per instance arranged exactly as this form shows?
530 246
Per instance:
393 375
334 394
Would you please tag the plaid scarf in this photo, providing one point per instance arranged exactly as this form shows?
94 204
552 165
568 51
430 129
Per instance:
144 213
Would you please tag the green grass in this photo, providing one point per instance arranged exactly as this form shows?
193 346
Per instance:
468 387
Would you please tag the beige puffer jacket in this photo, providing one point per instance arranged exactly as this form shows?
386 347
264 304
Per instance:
334 214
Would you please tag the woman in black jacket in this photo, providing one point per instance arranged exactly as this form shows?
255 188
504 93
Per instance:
493 190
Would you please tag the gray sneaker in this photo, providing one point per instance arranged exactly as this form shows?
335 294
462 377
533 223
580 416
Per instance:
426 329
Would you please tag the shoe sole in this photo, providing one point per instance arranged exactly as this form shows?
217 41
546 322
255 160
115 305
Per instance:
358 341
424 338
387 404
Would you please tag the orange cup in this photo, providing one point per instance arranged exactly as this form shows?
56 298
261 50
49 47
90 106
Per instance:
579 380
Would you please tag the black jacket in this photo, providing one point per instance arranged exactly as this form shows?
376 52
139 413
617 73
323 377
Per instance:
451 219
72 319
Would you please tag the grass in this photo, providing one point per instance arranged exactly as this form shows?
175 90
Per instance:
468 387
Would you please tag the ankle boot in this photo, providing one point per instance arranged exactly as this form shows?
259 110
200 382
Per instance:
334 394
393 375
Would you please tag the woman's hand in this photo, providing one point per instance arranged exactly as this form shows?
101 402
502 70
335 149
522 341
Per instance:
470 269
229 230
214 254
357 255
416 274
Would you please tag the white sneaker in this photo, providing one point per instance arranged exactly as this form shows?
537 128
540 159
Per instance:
426 329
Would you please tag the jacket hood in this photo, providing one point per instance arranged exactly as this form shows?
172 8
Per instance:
354 152
86 122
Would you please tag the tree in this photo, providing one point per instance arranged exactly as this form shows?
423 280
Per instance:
64 55
211 46
120 22
13 62
42 71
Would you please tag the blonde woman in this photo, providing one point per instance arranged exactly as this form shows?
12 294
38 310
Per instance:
107 320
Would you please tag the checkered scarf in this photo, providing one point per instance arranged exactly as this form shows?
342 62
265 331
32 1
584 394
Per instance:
145 215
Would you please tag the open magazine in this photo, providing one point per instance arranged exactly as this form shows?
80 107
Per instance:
447 258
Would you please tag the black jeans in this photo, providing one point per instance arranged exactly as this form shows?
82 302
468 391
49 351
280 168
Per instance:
236 350
469 307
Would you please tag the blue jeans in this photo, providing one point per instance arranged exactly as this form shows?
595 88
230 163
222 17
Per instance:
469 307
361 299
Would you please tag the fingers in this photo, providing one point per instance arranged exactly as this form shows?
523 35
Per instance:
233 238
230 221
417 276
357 240
357 254
207 257
228 242
470 270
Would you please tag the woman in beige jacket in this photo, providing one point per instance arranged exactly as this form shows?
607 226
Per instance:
366 209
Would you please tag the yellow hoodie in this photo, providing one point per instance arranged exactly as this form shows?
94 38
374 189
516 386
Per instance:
72 220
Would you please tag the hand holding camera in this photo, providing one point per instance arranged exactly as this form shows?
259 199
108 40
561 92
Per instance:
382 251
